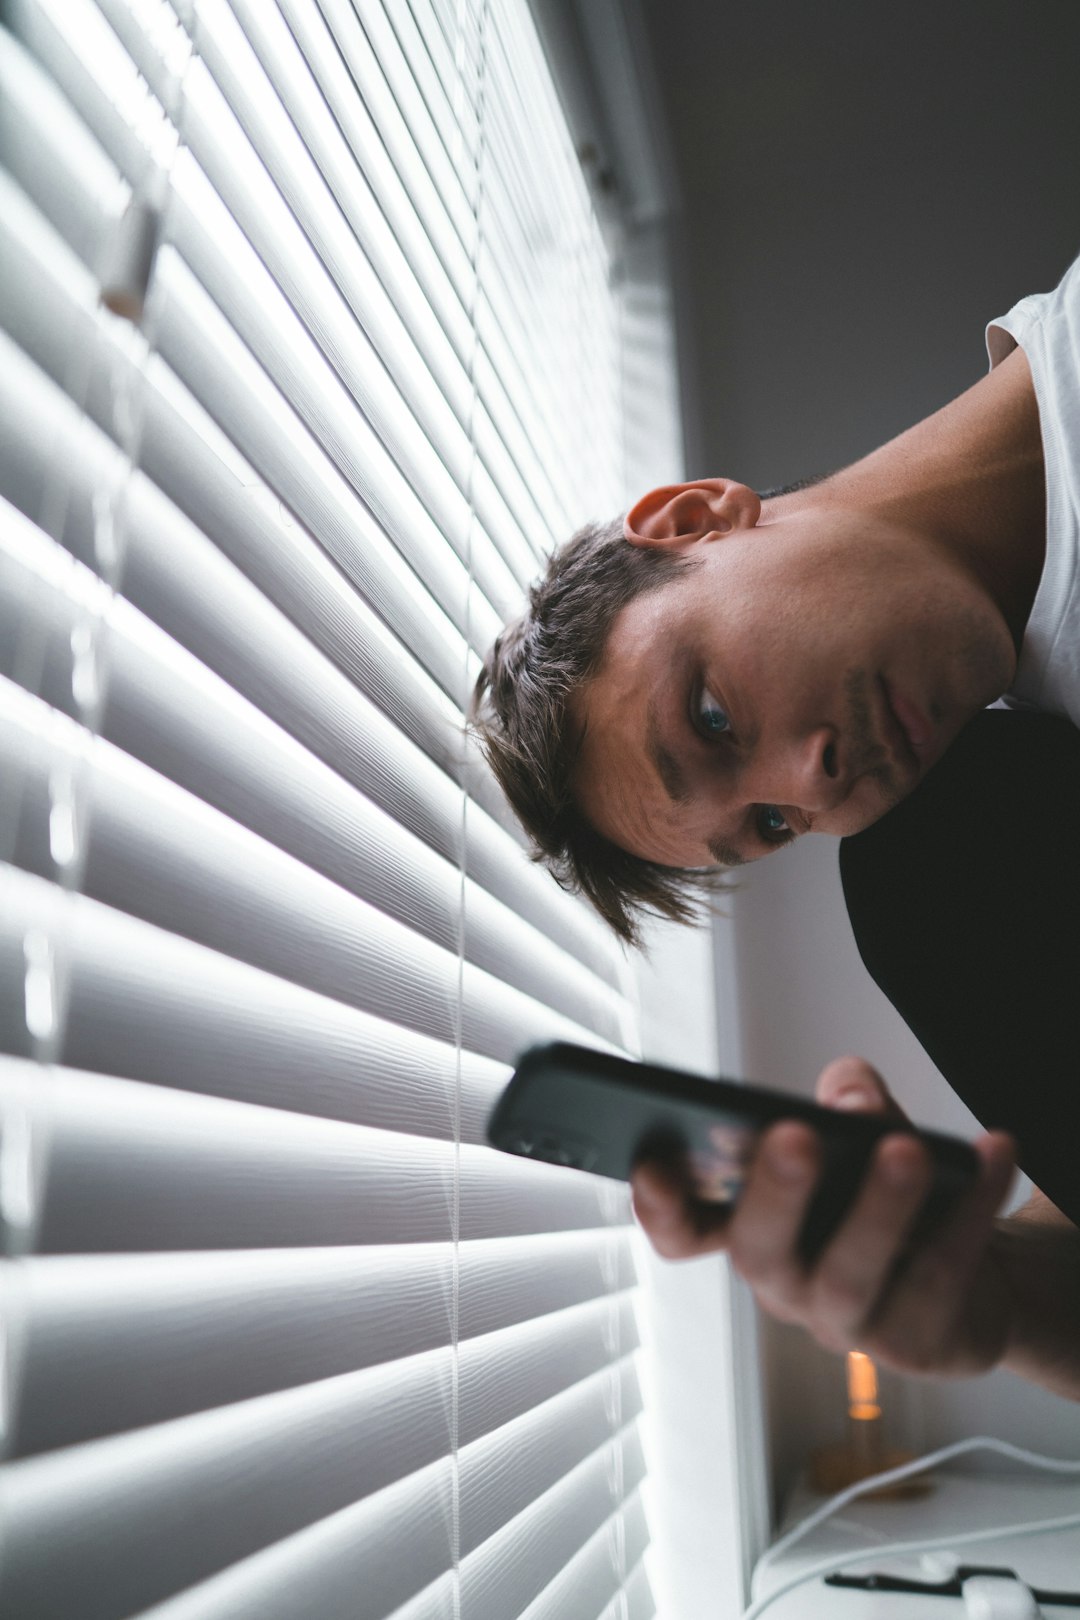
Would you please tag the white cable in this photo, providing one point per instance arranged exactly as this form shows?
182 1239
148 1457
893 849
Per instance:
1055 1465
829 1566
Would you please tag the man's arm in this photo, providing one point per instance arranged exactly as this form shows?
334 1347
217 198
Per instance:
1039 1251
985 1292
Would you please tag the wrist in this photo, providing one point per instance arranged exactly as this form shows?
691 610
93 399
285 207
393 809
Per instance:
1038 1263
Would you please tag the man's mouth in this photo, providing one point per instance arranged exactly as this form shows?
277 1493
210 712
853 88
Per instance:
917 728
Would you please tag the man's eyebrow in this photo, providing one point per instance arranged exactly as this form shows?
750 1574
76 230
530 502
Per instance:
672 776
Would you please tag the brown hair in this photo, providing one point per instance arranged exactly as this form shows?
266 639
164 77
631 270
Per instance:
519 713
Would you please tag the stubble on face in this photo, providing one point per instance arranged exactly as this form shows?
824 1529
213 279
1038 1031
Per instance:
868 757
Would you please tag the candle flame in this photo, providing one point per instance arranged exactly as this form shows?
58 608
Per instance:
862 1386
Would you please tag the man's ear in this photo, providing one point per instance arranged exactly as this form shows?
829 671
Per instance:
679 515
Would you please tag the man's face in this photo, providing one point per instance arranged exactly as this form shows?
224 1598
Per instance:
804 677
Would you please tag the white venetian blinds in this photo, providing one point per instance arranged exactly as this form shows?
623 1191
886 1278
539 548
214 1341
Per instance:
281 1337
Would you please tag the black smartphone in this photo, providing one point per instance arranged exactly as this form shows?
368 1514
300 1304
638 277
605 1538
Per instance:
594 1111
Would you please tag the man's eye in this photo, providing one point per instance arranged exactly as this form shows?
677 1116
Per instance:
713 721
772 825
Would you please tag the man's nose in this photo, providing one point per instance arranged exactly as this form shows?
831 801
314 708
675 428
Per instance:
804 772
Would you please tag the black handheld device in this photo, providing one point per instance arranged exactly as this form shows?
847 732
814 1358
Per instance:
595 1111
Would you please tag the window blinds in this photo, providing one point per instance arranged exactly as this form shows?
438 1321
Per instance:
308 354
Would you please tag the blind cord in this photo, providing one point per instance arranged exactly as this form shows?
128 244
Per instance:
464 7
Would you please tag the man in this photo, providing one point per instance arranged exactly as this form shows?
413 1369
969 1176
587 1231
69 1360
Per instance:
723 673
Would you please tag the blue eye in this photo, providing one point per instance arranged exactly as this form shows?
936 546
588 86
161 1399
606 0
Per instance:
772 825
713 721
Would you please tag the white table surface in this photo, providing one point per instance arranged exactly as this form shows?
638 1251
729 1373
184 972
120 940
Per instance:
959 1501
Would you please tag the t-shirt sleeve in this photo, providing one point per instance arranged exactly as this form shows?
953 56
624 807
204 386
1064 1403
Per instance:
964 903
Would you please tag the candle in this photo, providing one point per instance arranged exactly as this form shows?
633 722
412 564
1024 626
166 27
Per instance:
862 1387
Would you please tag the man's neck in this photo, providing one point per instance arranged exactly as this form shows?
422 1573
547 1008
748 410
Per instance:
970 479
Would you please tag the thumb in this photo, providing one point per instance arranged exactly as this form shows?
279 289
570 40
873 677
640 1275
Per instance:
851 1083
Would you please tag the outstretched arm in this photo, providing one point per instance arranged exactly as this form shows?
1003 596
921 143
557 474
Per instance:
1039 1249
985 1292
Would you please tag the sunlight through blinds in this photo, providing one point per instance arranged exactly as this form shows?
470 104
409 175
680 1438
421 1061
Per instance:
308 355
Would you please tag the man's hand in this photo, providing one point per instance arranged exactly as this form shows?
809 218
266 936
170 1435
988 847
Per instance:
946 1308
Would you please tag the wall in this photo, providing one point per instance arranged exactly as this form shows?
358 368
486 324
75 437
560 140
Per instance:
861 187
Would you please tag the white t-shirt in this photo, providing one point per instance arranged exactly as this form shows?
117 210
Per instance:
1047 327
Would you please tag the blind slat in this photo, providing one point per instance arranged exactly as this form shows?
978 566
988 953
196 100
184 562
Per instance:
495 481
505 1471
287 1337
417 986
49 151
513 1567
97 1518
356 52
145 1005
48 303
300 195
198 342
343 415
311 202
159 853
115 1343
593 1582
638 1603
171 571
160 708
245 1476
337 1569
387 969
136 1168
587 1579
334 1570
506 284
498 427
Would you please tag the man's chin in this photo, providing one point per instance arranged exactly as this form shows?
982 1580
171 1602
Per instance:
869 817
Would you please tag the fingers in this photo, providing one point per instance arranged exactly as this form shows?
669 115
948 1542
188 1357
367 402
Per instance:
678 1226
764 1230
941 1308
771 1208
945 1309
851 1083
842 1292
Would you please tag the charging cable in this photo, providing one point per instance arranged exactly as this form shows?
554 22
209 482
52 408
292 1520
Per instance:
832 1565
918 1465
